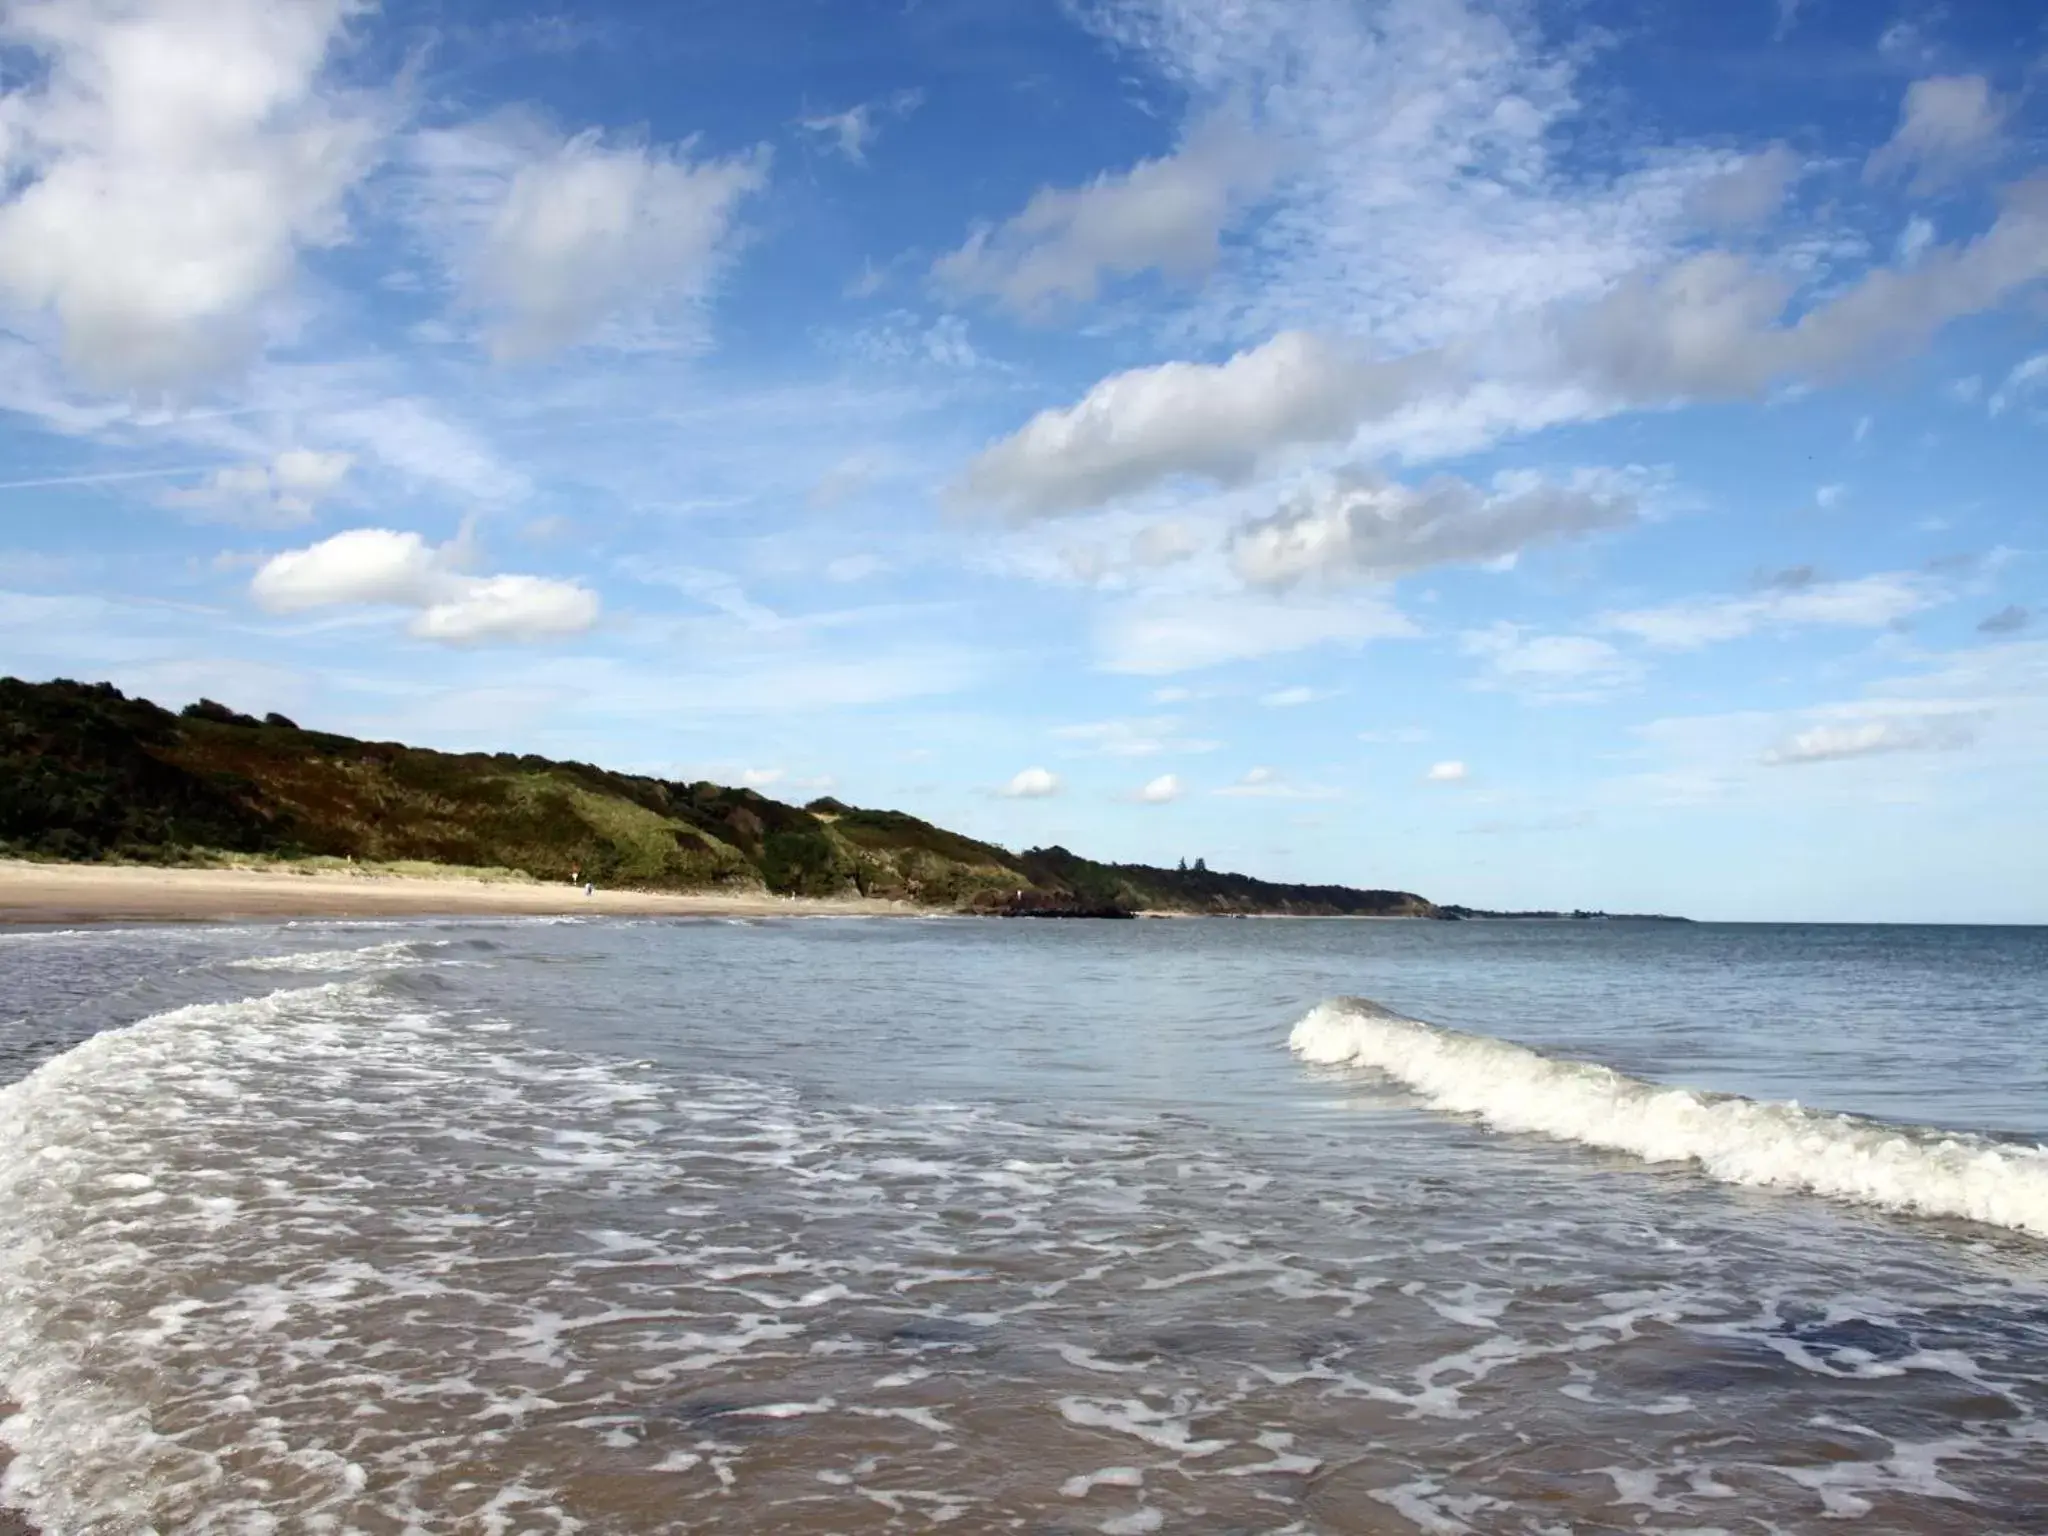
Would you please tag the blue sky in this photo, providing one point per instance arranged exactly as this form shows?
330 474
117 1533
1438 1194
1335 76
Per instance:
1573 454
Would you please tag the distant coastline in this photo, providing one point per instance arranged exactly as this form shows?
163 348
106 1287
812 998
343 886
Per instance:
151 808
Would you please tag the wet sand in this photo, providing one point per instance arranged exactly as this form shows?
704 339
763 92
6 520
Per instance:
87 893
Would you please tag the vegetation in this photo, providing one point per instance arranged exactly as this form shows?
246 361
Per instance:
87 773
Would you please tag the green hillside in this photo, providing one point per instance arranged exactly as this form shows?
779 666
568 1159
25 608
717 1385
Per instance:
88 773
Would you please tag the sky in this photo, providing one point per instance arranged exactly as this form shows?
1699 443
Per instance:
1532 454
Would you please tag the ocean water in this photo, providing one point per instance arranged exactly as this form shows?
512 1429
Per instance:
887 1225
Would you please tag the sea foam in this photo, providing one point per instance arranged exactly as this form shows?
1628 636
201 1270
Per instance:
1510 1087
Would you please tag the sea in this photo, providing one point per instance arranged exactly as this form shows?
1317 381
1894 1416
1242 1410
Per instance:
879 1225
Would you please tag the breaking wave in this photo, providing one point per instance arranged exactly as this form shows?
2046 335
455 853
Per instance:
1919 1170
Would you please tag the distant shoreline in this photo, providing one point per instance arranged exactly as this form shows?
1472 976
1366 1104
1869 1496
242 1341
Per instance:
33 893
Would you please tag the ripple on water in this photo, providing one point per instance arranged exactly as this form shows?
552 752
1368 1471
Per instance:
349 1257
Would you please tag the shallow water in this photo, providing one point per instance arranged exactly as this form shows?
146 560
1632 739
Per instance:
882 1225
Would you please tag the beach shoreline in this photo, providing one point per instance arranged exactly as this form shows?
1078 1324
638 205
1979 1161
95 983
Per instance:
38 894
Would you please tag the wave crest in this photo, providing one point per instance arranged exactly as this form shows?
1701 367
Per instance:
1510 1087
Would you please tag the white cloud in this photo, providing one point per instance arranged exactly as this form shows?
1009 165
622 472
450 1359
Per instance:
1448 772
382 567
1032 784
1160 791
1914 240
1147 736
1947 124
1550 668
1164 542
761 778
560 242
278 494
1268 784
1156 635
478 609
1864 738
164 174
1827 496
1869 602
1295 697
1711 326
855 130
1360 526
1216 421
413 437
2026 376
1967 728
849 477
1166 214
1749 191
1422 199
364 565
850 568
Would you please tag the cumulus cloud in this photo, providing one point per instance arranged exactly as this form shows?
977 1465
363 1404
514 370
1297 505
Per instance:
1448 772
1947 124
1869 602
564 241
1364 527
1165 214
164 171
1160 791
381 567
478 609
1550 668
1712 326
276 494
1032 784
364 565
1215 421
1832 742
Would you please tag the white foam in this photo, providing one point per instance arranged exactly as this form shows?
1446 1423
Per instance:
321 961
1737 1140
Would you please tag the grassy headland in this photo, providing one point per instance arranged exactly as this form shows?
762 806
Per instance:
88 774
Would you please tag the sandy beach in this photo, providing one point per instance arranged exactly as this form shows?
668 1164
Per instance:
84 893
